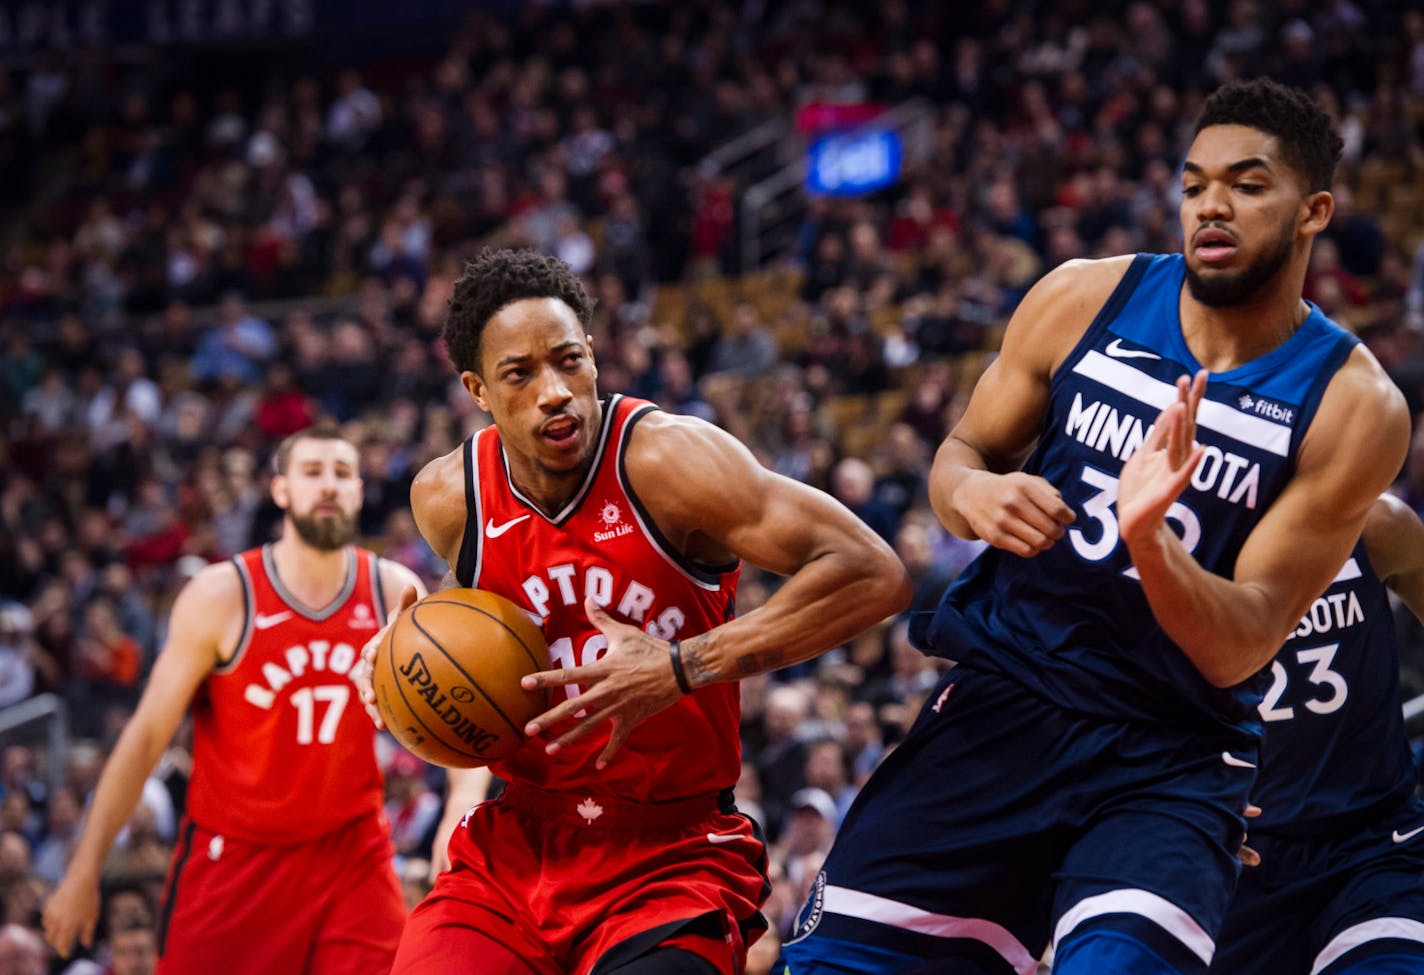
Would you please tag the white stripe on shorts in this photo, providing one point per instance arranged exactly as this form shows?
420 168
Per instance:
882 910
1160 911
1374 929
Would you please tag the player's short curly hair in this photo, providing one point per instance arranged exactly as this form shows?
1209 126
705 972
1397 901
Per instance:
495 279
1309 142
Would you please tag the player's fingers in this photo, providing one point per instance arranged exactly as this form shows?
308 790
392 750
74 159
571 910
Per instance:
615 742
1248 856
1157 433
88 938
1018 539
564 709
1048 500
408 597
1252 811
578 730
1182 476
1030 513
599 617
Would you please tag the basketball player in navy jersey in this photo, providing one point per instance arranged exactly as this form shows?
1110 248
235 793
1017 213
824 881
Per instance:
1167 461
615 847
1340 886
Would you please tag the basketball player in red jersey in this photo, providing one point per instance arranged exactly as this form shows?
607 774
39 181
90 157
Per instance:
615 847
283 863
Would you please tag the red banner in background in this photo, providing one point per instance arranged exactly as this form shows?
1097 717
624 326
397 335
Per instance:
814 118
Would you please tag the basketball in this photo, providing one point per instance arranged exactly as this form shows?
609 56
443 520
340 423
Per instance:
447 678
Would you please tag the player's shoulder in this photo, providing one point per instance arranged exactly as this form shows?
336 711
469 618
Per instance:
1362 394
1059 308
395 577
662 441
211 600
1078 287
437 500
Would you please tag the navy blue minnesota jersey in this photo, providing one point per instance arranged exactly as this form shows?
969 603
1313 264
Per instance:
1335 751
1073 624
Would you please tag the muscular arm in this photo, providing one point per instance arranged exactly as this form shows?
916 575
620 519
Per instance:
206 617
1394 540
707 492
976 488
1231 628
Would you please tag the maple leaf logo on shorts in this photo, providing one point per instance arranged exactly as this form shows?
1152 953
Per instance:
589 810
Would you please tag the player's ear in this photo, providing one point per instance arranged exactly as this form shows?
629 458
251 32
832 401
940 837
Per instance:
592 359
281 494
476 387
1317 208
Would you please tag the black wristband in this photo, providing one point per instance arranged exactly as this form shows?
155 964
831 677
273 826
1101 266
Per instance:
675 652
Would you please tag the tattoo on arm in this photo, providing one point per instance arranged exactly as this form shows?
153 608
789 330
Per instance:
696 669
757 663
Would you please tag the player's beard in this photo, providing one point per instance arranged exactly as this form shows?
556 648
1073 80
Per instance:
1225 290
326 533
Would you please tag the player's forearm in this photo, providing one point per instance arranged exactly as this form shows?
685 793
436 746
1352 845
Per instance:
828 601
116 796
1227 629
955 462
465 787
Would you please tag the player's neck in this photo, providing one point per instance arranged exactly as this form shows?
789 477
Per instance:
313 576
549 490
1224 337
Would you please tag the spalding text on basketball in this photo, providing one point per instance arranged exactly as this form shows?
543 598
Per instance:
418 676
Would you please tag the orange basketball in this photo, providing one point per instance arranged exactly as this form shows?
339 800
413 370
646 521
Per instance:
447 678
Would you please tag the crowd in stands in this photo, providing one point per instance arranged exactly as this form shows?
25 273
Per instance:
196 266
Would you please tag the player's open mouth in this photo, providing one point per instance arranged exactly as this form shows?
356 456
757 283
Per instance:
561 432
1212 246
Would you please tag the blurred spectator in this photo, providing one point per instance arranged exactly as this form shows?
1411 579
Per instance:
236 346
20 657
21 951
853 484
746 348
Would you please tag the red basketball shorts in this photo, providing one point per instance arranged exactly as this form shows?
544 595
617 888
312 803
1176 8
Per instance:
573 884
331 906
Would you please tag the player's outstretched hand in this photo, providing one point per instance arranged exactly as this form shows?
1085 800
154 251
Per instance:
632 680
1020 513
1158 472
365 667
72 911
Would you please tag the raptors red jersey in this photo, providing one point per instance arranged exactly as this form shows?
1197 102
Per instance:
283 751
604 544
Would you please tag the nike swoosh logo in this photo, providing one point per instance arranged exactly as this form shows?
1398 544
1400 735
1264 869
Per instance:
494 531
1399 837
1116 350
267 622
723 837
1235 762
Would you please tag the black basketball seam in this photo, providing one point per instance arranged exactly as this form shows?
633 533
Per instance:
415 716
512 632
454 663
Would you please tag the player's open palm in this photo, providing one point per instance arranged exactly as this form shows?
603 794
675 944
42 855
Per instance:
1158 472
631 681
71 912
1017 512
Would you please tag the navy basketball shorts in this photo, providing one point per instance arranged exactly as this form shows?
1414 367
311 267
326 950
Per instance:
1004 823
1351 903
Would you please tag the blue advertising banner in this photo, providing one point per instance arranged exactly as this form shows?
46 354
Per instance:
853 164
